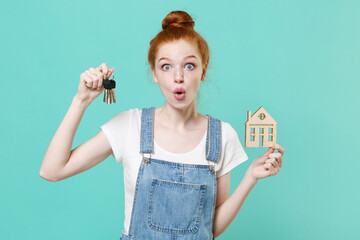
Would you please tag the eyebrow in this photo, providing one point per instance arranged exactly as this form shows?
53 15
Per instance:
190 56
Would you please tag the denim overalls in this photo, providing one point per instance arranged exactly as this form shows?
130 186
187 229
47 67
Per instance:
174 200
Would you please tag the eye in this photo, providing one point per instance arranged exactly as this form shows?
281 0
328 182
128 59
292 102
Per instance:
165 66
190 64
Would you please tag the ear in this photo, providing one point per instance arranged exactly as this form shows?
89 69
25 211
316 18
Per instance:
154 76
204 73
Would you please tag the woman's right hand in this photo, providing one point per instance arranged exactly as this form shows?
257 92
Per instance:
91 82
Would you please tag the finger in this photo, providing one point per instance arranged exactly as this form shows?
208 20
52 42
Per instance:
279 148
91 74
270 150
277 156
99 83
273 162
96 72
268 165
104 68
274 154
102 73
94 78
271 170
276 166
100 78
278 162
88 80
111 71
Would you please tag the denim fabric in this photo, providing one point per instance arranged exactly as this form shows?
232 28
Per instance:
214 137
174 200
147 130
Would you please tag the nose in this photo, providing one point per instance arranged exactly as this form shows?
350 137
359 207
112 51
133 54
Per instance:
179 76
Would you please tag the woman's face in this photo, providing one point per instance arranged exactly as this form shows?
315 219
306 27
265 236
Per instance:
178 71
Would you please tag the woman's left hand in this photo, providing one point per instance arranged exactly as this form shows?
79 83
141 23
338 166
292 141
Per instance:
268 164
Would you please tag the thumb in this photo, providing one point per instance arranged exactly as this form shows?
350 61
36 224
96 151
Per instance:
271 149
110 71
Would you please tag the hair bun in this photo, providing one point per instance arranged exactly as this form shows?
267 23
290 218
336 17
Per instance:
178 19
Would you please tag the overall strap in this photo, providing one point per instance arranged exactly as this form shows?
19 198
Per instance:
147 130
213 139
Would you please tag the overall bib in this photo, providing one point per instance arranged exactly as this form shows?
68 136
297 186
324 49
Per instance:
174 200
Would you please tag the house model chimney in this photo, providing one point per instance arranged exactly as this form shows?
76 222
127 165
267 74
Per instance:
249 115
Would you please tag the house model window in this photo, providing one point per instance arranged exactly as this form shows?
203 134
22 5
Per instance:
260 129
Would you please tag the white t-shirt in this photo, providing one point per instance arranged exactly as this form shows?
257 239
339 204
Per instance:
123 134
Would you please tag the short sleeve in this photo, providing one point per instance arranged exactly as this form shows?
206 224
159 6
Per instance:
232 152
116 131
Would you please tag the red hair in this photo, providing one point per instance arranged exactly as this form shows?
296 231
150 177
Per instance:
178 25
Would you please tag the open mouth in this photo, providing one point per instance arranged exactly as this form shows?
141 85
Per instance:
179 91
179 94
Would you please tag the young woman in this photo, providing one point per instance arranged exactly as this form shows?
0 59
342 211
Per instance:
176 161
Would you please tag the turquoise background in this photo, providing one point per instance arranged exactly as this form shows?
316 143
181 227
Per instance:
298 59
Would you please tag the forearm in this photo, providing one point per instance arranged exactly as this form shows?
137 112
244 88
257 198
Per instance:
227 211
59 149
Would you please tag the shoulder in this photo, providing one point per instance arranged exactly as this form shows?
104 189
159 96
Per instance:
128 113
227 129
229 135
124 118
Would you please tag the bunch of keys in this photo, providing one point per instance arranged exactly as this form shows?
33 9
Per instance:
109 93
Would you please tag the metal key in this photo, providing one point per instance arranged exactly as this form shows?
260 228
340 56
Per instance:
109 93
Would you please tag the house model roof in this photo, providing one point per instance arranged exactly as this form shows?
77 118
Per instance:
255 119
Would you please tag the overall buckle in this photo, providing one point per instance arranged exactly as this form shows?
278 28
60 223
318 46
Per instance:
212 168
145 159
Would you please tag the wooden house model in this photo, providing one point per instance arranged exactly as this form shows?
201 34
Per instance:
260 129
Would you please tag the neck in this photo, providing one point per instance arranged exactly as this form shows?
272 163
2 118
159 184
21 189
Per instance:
178 119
